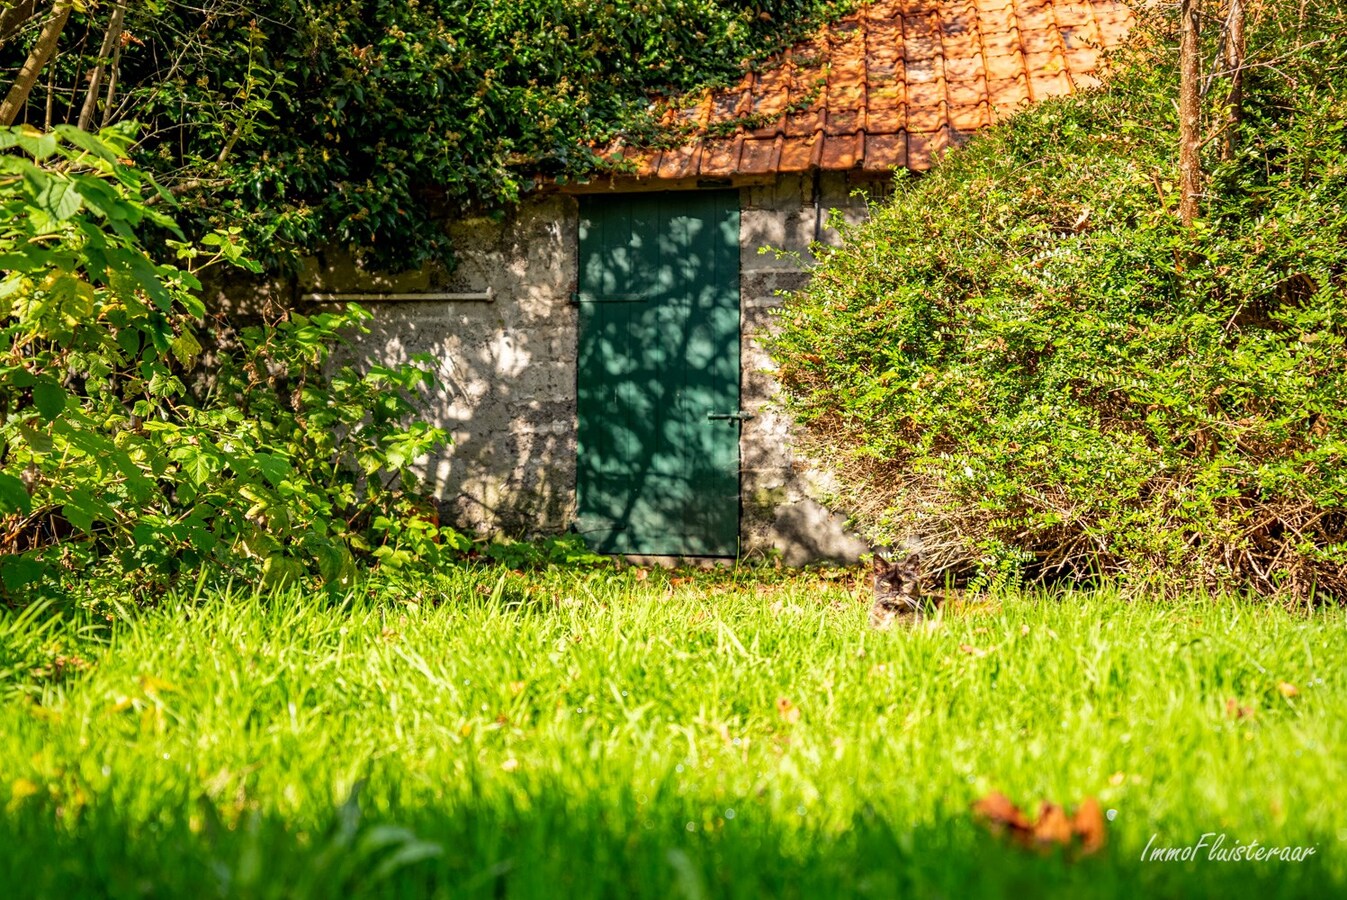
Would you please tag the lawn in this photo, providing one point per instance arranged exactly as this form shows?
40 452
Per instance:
628 734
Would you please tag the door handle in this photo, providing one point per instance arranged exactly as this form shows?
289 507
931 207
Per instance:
739 416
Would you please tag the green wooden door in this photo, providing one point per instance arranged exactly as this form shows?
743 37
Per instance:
658 373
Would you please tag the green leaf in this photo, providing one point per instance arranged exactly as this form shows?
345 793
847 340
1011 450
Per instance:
87 142
281 570
18 572
193 463
14 496
79 512
49 398
37 143
60 200
186 348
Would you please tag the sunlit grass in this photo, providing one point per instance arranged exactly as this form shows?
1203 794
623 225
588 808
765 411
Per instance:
603 735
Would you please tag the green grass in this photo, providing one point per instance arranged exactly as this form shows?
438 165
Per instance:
596 735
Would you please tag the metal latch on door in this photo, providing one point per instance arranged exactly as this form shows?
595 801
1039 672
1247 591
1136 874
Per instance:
739 416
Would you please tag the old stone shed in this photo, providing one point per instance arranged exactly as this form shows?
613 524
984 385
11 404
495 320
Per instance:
600 346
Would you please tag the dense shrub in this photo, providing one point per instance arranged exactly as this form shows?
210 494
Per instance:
1025 363
120 440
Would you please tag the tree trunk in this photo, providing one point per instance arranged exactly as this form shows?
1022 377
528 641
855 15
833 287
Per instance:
14 14
1190 163
1234 64
32 67
104 53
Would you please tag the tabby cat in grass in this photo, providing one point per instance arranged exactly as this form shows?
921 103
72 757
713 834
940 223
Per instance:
898 594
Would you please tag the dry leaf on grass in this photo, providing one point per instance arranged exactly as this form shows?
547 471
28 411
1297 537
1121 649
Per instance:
974 651
1287 689
1052 828
997 810
789 712
1237 712
1089 825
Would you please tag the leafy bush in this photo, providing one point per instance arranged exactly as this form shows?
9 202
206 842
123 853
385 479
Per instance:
1026 363
123 436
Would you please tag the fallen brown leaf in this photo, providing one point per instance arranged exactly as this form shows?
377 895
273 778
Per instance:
1089 825
974 651
1234 711
997 810
1053 827
789 712
1287 689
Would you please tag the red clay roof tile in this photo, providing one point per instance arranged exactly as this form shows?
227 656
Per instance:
799 154
892 84
885 151
840 152
720 156
760 156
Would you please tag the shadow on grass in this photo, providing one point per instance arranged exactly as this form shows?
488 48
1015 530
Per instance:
558 846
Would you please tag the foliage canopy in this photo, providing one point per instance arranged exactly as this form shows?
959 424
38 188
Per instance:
311 123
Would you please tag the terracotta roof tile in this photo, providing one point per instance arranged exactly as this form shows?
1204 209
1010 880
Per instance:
1007 94
1041 87
969 117
966 93
761 156
923 148
800 154
844 121
967 68
885 151
680 162
1039 40
1005 67
720 156
885 121
841 152
892 84
1072 14
1001 43
926 106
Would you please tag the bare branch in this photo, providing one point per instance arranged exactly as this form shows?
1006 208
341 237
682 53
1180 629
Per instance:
1234 62
1190 162
113 35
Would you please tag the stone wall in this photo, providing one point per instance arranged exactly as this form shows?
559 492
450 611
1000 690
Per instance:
779 512
508 364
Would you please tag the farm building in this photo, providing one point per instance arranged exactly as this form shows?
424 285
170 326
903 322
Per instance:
599 346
